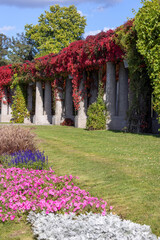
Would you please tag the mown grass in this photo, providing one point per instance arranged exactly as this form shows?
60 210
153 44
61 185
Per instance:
121 168
16 231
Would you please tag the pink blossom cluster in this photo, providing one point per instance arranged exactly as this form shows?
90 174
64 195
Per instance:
23 190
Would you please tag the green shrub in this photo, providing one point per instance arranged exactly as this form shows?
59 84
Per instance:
97 114
19 108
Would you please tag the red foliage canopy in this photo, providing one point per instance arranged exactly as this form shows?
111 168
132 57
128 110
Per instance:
6 73
88 54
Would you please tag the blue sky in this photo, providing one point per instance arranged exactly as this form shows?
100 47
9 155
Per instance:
100 14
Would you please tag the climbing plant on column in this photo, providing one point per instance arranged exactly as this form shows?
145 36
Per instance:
140 86
147 25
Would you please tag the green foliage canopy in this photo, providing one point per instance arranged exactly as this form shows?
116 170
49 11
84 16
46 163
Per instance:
21 49
4 44
56 29
147 25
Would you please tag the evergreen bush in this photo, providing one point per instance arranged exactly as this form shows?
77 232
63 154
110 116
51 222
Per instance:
97 113
19 108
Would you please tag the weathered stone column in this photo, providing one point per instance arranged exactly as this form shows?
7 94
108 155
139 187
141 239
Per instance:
4 106
111 89
123 91
131 95
94 88
29 97
39 104
9 108
10 102
117 97
100 73
29 102
111 95
58 117
48 102
69 100
81 118
5 114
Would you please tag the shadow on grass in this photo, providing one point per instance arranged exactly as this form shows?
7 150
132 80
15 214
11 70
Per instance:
124 132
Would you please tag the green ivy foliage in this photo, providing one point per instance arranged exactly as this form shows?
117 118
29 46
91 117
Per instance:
147 25
19 108
140 86
97 113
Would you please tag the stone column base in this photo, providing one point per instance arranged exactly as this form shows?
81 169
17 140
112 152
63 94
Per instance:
57 120
27 121
5 118
155 126
80 122
116 123
42 120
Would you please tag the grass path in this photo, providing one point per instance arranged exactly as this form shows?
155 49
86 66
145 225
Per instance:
123 169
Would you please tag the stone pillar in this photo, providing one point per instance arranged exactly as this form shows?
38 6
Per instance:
117 97
123 91
39 104
111 89
130 96
29 102
69 100
58 117
4 106
29 97
48 102
5 113
94 88
10 102
81 118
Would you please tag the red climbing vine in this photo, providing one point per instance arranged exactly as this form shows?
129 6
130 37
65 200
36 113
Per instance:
79 56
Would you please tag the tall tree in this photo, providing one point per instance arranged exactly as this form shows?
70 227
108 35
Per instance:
21 49
56 29
4 43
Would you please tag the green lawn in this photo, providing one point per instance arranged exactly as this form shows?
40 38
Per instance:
121 168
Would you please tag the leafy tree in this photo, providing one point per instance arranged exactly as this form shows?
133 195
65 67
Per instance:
147 24
4 43
21 49
56 29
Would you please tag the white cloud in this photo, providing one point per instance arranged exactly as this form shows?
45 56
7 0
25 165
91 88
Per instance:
5 29
42 3
81 13
105 29
91 33
94 32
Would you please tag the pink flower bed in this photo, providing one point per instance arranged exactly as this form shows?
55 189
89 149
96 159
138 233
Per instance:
23 190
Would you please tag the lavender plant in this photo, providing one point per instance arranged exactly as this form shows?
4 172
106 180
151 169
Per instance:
26 159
